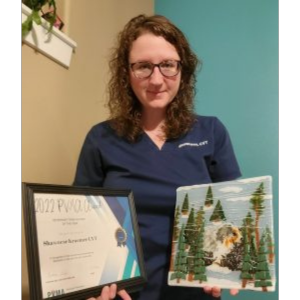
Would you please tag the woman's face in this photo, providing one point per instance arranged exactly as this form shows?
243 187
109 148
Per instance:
156 91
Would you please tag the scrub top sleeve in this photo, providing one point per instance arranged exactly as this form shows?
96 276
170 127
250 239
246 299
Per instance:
89 170
224 165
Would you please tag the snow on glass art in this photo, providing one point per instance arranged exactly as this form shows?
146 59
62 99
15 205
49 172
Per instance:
223 235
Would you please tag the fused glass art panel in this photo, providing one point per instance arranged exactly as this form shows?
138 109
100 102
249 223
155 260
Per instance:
223 235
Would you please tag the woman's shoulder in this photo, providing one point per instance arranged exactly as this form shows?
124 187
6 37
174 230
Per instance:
202 120
100 130
209 124
101 126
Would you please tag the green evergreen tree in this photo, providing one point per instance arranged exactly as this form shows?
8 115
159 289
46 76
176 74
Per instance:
176 223
257 201
215 214
270 244
221 212
180 267
248 229
218 213
199 269
191 235
194 224
253 254
249 226
200 217
262 275
190 231
190 264
209 199
175 236
185 205
247 267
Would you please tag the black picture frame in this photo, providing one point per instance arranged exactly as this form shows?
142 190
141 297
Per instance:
65 230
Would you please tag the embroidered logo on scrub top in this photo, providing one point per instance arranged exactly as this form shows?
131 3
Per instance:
193 144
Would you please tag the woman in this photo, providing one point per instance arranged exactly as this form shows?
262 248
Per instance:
153 143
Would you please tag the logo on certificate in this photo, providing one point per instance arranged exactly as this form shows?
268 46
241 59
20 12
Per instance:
121 236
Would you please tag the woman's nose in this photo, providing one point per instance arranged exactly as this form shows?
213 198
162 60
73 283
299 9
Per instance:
156 76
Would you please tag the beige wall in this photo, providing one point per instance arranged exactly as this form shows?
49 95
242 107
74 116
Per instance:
60 105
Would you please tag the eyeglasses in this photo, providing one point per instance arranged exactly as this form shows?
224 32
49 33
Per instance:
144 69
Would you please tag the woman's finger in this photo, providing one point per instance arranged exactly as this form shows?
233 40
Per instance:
234 292
124 295
216 292
112 291
207 289
104 293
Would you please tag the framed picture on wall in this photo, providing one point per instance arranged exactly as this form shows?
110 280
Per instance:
79 239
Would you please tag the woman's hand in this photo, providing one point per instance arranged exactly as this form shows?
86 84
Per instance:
110 292
216 292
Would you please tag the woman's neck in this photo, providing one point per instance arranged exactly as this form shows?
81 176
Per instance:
153 120
153 127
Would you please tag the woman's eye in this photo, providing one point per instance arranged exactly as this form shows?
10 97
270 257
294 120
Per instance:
168 65
144 67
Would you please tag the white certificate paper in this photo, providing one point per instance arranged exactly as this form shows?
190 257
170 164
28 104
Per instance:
83 241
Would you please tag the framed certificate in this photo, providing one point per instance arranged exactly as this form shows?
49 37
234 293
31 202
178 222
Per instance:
79 239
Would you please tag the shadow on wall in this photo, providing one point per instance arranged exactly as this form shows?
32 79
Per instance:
25 294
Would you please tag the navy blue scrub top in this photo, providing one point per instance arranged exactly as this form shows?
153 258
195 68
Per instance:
205 154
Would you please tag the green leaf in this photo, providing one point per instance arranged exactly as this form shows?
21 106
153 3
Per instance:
26 26
36 17
36 6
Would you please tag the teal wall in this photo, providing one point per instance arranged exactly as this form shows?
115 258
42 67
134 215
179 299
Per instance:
237 41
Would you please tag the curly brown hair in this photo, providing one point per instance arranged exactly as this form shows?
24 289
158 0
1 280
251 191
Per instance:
125 108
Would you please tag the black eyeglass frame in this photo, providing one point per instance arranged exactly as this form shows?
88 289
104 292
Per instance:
159 67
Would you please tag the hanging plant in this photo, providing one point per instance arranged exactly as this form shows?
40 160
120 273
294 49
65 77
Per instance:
35 16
